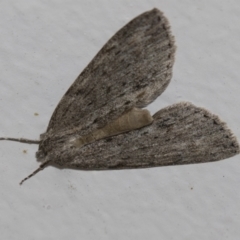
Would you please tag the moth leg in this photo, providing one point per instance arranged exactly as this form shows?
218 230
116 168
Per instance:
22 140
41 167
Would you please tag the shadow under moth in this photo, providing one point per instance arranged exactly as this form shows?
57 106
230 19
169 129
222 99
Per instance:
100 124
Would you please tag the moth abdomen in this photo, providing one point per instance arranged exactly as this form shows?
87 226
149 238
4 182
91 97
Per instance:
134 119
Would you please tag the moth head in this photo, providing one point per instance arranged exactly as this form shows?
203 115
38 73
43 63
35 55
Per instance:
44 147
40 155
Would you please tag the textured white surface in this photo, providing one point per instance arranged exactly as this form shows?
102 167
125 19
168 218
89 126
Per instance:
44 45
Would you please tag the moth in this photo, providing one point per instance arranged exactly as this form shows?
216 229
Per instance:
100 122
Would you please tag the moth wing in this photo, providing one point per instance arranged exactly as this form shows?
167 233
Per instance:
179 134
131 70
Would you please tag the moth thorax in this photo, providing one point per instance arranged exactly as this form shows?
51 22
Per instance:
134 119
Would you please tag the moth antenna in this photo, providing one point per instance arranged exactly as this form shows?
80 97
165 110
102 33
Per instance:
22 140
41 167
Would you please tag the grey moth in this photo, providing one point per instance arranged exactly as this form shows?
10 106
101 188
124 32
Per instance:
100 124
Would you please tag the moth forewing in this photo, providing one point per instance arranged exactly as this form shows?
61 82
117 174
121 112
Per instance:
131 70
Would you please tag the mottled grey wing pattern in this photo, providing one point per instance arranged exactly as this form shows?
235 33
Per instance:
180 134
131 70
98 123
